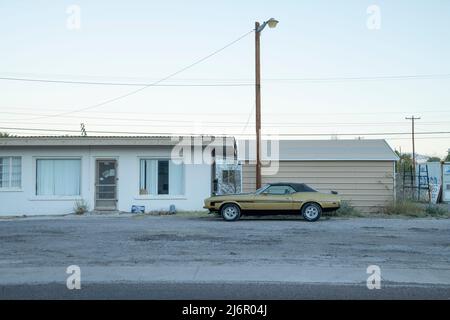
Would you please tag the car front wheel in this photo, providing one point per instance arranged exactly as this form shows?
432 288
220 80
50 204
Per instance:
311 212
230 212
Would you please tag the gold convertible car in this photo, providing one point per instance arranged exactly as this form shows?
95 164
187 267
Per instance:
275 198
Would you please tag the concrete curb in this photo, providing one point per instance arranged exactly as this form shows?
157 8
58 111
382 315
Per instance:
201 274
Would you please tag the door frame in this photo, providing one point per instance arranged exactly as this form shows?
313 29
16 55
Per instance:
96 161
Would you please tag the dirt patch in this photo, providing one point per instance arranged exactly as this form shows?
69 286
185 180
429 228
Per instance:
12 238
423 229
176 237
372 228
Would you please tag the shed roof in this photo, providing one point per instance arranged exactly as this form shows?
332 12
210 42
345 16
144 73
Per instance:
319 150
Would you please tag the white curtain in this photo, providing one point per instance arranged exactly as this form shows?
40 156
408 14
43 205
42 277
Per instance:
148 174
60 177
176 178
142 188
16 172
44 177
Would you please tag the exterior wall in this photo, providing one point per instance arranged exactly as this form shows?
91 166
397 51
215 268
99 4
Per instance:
197 180
367 185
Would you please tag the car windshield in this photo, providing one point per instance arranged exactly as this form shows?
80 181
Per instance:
262 189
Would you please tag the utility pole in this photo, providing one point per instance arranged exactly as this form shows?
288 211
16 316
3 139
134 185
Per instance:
272 23
258 103
412 118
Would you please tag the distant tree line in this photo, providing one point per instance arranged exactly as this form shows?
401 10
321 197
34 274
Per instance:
405 162
435 159
5 135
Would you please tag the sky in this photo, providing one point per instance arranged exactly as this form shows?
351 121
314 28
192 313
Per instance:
325 72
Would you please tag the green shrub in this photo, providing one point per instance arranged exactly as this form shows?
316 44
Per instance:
436 210
346 209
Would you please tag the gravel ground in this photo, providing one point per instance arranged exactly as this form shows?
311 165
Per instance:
182 257
174 241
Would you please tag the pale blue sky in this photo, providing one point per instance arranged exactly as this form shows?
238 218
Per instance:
143 41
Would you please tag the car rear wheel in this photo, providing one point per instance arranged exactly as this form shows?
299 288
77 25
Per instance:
311 211
230 212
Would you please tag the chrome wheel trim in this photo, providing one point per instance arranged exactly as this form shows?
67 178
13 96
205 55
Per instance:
230 212
311 212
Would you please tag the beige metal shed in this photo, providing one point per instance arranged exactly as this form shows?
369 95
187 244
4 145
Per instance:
361 171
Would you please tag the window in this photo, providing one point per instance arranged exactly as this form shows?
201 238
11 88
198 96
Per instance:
10 172
58 177
229 176
279 190
161 177
229 181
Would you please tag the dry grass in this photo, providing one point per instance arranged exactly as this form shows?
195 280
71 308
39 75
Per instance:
347 210
404 207
409 208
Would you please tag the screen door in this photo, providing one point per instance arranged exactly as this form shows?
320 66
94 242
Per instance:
106 185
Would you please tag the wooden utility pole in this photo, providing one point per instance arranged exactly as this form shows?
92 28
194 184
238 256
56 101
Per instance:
258 103
272 23
412 118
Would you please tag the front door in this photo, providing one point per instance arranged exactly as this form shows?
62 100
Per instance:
106 185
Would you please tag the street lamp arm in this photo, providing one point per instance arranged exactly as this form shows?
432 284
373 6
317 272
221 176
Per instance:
261 27
271 22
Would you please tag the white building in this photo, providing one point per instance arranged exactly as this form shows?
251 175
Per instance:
48 175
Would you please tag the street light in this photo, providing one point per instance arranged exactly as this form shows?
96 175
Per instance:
272 23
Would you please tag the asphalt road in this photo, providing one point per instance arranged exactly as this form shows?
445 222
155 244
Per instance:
223 291
135 257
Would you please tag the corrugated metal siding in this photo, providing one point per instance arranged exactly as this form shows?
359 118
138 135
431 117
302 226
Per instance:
368 185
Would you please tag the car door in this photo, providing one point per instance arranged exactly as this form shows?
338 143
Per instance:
277 197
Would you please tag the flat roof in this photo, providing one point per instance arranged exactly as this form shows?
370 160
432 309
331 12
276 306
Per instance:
319 150
26 141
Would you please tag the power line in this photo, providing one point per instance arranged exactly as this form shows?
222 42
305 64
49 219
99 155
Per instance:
242 113
234 123
281 134
367 78
421 138
323 79
151 84
228 124
128 84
